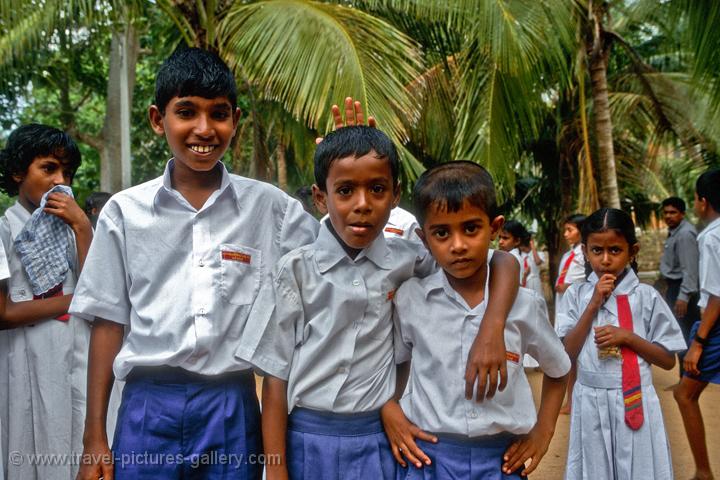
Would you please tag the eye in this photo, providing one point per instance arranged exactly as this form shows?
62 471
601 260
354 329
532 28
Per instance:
471 228
185 113
440 233
344 191
377 188
596 250
221 115
49 168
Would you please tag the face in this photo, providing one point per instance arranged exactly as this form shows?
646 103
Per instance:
700 205
609 252
571 234
506 241
672 216
359 194
198 130
459 241
43 174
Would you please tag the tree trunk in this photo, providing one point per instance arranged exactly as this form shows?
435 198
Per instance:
282 167
115 158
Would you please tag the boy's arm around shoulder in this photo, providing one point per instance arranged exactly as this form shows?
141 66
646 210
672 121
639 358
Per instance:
486 361
298 227
105 342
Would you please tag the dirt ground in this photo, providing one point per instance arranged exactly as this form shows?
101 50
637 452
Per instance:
553 465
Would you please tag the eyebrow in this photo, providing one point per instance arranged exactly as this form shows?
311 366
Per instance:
471 220
352 181
190 103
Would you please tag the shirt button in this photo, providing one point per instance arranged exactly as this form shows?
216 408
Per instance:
473 414
356 282
201 263
201 311
342 370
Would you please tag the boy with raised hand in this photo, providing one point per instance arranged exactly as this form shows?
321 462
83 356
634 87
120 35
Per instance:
168 283
321 331
436 318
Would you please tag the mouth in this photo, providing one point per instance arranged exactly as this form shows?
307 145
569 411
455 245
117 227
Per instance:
360 228
461 261
202 149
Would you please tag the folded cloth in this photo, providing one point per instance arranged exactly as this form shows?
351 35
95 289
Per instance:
43 247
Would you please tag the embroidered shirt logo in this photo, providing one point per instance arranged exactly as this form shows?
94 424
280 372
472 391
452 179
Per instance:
236 256
513 357
396 231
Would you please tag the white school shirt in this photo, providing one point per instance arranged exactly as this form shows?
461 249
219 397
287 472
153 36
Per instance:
515 252
436 328
325 323
401 224
4 269
534 280
709 246
182 280
4 273
575 274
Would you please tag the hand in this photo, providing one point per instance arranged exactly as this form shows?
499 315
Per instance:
561 287
603 288
402 433
692 358
96 462
353 116
486 361
66 208
532 446
681 307
609 336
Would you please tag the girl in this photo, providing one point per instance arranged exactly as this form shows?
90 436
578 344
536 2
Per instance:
534 260
43 367
615 328
509 240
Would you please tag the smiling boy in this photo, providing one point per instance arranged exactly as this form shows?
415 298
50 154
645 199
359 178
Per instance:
168 284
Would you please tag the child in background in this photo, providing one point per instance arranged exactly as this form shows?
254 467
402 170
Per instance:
615 329
534 260
94 203
321 332
702 360
509 240
44 351
435 320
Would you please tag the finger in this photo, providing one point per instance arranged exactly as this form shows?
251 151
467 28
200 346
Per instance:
470 375
371 122
482 384
534 462
337 117
410 456
359 117
318 140
492 381
511 451
418 453
107 471
397 455
519 459
503 377
349 112
422 435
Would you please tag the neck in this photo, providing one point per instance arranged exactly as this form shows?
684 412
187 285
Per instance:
711 216
27 204
471 289
195 186
351 252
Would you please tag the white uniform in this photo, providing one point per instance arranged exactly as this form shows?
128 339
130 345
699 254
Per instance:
574 274
43 373
401 224
534 281
601 444
4 273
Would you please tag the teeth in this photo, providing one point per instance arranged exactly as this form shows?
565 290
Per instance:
202 148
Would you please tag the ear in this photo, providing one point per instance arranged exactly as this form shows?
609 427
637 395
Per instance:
396 195
236 119
319 199
584 250
634 249
17 178
156 120
496 226
420 233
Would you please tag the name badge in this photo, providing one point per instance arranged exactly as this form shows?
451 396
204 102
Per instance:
512 357
236 256
396 231
391 294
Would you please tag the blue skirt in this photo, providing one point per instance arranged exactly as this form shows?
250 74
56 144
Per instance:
462 459
709 364
331 446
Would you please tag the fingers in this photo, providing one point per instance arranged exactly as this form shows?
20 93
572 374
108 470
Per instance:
427 437
481 384
359 117
503 376
493 381
410 454
470 375
107 472
371 122
515 458
337 117
349 112
398 457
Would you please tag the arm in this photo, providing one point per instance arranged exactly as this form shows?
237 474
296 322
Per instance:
353 116
610 336
67 209
575 338
274 425
535 444
536 256
688 256
486 359
709 317
562 287
105 342
19 314
400 431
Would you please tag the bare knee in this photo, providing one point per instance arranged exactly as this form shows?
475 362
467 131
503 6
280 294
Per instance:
682 395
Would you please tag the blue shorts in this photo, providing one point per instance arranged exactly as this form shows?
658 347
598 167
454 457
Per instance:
175 424
709 364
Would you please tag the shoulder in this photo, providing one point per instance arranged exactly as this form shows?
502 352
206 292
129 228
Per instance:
403 246
138 198
257 191
413 288
526 305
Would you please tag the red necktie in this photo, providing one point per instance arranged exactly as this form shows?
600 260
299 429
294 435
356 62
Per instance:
632 391
526 269
566 267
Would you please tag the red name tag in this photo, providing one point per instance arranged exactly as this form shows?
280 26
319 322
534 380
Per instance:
396 231
236 256
512 356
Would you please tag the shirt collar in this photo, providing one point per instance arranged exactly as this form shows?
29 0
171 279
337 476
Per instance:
165 187
626 287
711 226
438 281
329 252
683 223
17 217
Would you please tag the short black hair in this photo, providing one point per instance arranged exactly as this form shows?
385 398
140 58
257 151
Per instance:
708 187
96 200
448 185
576 219
28 142
354 141
517 230
675 202
194 72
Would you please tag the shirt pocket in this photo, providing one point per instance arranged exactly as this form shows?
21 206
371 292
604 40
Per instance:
241 273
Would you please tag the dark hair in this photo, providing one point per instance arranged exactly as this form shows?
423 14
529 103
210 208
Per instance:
708 187
28 142
354 141
96 200
517 230
606 219
448 185
675 202
576 219
194 72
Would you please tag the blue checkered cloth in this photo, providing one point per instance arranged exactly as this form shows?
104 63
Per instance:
43 247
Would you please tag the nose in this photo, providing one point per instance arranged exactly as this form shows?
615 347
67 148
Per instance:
606 258
58 177
457 244
203 126
362 203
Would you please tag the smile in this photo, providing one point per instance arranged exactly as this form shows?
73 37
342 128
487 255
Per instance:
202 148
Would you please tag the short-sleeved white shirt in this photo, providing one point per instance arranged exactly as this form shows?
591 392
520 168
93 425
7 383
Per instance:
709 246
4 269
182 280
436 328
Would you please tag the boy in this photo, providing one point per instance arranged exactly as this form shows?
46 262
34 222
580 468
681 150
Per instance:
168 284
702 360
322 330
434 320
